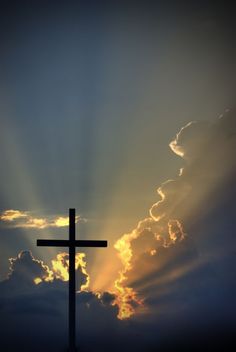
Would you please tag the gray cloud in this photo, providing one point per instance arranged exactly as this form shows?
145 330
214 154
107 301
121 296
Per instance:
23 269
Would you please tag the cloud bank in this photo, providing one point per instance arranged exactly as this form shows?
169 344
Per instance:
202 187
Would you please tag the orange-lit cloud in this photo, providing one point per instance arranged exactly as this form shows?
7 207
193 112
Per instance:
25 219
126 297
60 269
11 215
207 149
62 221
37 280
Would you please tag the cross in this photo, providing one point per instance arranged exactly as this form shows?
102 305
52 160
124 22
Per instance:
72 243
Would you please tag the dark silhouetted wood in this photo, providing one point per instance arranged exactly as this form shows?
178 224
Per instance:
72 243
78 243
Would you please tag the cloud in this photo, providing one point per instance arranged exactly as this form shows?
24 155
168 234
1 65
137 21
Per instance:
25 271
22 272
202 186
60 269
11 215
32 316
25 219
191 139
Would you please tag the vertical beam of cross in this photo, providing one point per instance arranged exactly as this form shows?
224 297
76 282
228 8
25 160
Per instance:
72 243
72 281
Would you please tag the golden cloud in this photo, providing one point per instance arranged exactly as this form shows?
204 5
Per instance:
209 161
60 269
11 215
25 219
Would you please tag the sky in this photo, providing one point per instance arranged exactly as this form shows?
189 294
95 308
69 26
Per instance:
126 112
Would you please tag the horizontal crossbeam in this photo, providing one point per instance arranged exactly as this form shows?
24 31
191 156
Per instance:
68 243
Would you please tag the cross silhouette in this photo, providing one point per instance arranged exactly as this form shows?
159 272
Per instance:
72 243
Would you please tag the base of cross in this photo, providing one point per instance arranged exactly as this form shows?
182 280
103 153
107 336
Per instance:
72 349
